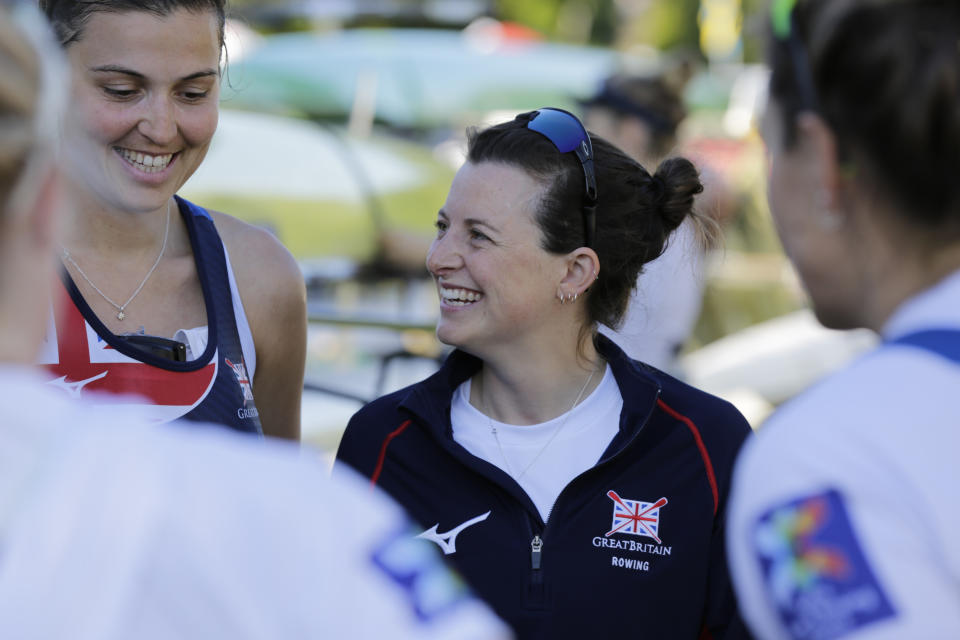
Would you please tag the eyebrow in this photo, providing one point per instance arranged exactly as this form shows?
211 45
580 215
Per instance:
115 68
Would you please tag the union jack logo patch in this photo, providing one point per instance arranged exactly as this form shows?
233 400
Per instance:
635 517
243 379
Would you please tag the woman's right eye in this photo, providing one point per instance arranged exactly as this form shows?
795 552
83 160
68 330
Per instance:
478 235
441 226
119 93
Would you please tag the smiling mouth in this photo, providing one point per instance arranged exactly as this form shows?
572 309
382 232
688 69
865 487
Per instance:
459 297
144 161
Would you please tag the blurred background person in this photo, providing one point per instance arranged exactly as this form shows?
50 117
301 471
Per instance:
540 239
114 529
844 512
200 314
641 114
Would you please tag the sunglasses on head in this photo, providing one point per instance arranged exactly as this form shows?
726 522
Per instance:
567 134
782 22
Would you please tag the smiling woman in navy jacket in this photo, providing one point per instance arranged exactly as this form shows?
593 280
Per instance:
576 490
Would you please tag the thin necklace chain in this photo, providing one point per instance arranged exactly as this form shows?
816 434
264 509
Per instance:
496 437
120 307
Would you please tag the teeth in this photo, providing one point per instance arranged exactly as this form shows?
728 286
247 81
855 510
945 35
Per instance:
461 296
146 162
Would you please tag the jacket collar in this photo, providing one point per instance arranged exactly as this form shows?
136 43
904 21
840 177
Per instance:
639 385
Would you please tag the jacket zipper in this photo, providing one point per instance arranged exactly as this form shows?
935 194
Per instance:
536 597
536 545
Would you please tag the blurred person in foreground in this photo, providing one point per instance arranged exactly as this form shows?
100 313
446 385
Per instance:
641 115
200 314
844 515
111 528
574 488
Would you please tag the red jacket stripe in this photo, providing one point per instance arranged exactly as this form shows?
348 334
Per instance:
383 451
711 478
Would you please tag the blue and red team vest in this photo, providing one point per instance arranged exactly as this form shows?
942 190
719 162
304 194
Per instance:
85 357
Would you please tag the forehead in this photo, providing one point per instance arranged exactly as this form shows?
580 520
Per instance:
493 188
142 40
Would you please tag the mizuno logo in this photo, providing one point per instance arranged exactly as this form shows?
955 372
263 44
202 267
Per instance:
73 389
448 541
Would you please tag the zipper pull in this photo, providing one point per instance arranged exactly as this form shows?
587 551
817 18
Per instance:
535 546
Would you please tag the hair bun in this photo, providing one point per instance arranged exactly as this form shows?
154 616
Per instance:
658 189
673 188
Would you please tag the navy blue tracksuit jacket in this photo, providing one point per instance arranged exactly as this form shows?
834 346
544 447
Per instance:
584 574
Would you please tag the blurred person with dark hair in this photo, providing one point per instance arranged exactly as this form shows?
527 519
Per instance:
201 315
564 480
844 518
113 528
641 114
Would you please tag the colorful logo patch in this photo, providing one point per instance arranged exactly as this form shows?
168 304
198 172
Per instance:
635 517
416 567
815 570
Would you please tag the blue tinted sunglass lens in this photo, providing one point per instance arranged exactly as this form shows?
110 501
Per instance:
563 129
567 134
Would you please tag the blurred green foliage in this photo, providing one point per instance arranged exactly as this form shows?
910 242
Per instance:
665 25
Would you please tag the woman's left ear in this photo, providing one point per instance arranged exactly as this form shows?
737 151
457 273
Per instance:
821 145
583 268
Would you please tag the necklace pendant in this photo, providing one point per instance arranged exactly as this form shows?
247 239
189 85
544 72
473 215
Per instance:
121 315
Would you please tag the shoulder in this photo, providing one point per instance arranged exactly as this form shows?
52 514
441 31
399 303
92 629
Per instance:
714 422
422 408
375 424
428 397
261 264
701 406
384 406
381 416
718 422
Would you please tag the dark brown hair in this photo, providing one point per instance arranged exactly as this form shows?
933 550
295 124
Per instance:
68 17
886 79
636 211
